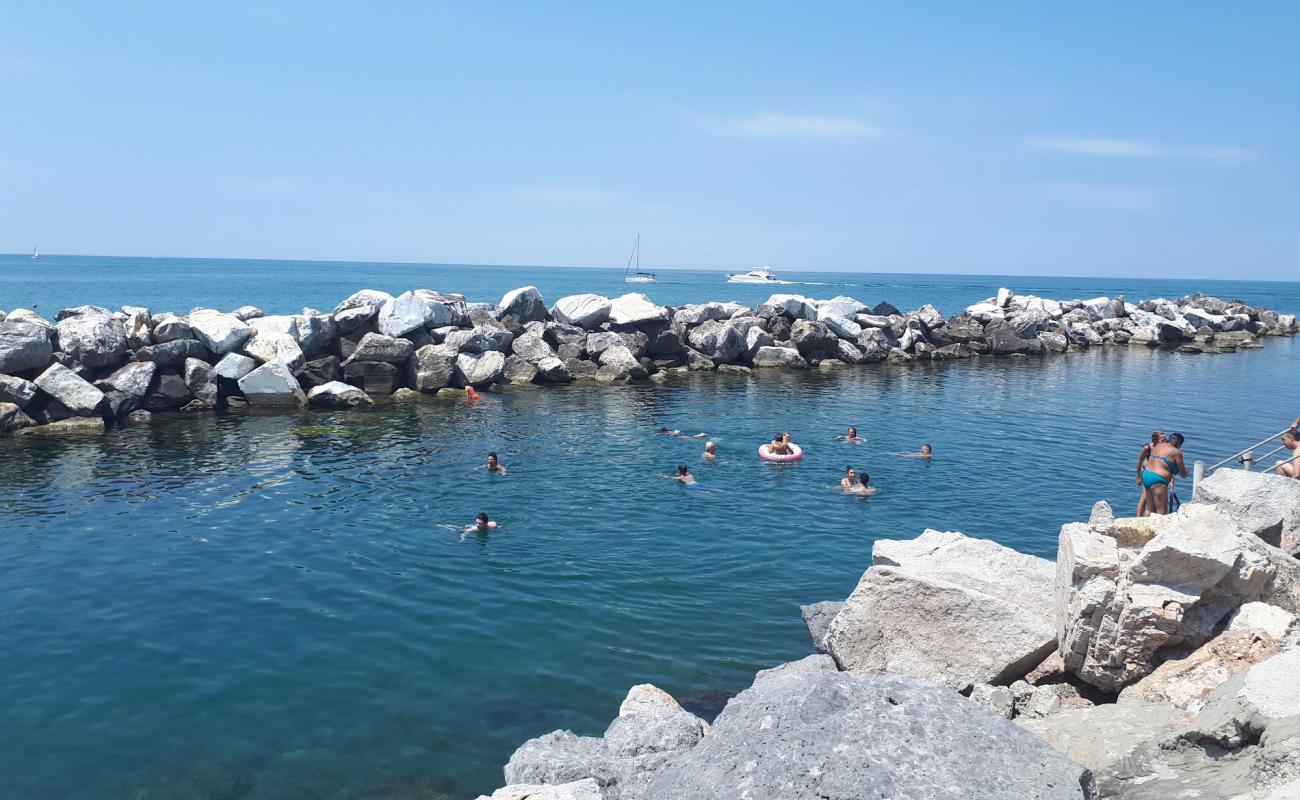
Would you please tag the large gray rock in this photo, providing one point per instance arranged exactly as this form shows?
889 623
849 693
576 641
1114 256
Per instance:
651 728
431 368
1095 737
518 371
702 312
586 311
358 309
620 364
12 418
787 357
720 341
1267 506
821 734
220 333
532 347
817 619
635 309
553 370
24 346
16 390
947 608
796 306
336 394
480 339
170 328
314 331
201 380
137 326
168 392
411 311
1185 683
76 394
172 353
234 366
1246 739
524 304
126 388
1127 590
814 340
272 384
94 338
479 369
378 347
585 789
265 345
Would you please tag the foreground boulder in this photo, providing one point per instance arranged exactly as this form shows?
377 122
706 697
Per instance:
74 393
817 618
583 310
524 304
94 338
24 346
336 394
1126 591
651 728
948 608
220 333
814 733
585 789
1095 737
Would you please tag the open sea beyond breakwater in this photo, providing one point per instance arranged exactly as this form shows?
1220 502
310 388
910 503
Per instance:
269 606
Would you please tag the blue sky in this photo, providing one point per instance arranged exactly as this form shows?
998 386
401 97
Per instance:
1108 139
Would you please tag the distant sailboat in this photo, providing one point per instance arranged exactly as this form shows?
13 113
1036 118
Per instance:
35 254
638 276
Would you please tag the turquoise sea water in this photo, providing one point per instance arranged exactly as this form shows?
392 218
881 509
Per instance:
281 606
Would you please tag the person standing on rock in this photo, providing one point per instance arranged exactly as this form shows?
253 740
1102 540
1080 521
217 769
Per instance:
1156 438
1290 468
1158 471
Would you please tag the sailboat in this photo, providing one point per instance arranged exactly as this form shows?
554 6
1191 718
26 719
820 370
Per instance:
638 276
35 255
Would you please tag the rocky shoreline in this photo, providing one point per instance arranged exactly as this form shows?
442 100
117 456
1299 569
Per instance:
1157 658
91 368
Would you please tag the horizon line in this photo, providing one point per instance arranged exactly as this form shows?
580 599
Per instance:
723 270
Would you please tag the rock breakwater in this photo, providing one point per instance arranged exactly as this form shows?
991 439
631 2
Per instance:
1158 658
90 363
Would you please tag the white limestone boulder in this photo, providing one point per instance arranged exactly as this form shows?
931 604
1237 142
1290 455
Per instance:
234 366
947 608
24 345
587 311
479 369
525 304
1267 506
76 394
359 308
267 345
795 305
272 384
220 333
634 309
337 394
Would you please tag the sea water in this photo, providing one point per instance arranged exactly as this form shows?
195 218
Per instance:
282 605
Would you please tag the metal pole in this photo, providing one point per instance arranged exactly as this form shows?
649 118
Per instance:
1198 474
1246 452
1248 460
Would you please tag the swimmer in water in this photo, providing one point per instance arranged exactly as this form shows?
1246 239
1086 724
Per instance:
850 478
926 451
482 524
863 487
675 432
852 436
683 475
710 450
493 465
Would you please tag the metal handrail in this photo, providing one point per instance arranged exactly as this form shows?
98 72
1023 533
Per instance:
1280 463
1244 451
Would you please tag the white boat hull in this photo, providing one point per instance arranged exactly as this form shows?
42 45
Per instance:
748 279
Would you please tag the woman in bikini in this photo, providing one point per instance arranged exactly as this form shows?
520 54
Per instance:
1158 471
1156 438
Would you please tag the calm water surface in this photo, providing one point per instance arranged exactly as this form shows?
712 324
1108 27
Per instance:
282 606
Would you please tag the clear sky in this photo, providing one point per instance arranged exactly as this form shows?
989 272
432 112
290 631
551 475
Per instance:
1036 138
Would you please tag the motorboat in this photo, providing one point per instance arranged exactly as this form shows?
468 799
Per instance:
755 275
637 277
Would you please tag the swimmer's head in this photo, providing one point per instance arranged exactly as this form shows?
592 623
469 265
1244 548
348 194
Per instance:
482 518
682 470
776 438
1157 437
663 430
1175 438
853 432
926 449
864 478
710 447
492 459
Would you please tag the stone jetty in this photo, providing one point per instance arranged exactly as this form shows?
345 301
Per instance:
90 368
1157 658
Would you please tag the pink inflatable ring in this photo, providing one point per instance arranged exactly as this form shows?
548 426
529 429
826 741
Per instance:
767 455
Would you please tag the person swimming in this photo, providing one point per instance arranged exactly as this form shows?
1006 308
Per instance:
926 451
852 436
850 478
1156 438
683 475
482 524
494 465
863 486
780 445
710 450
676 432
1158 472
